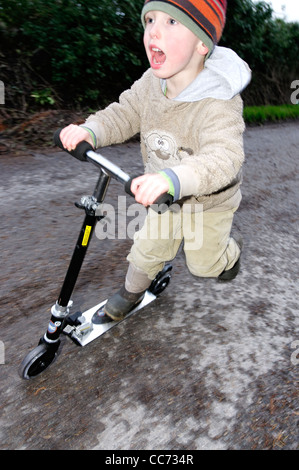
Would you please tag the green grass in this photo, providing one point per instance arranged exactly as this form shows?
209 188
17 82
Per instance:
263 114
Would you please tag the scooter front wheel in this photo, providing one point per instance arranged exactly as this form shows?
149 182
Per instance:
38 360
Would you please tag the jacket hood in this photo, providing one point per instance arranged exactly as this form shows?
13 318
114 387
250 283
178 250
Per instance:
224 76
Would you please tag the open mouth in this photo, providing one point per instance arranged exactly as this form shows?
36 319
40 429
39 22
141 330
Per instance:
158 56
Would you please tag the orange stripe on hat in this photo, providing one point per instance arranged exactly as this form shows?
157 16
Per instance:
202 11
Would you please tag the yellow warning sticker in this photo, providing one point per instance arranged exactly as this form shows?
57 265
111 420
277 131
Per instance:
86 235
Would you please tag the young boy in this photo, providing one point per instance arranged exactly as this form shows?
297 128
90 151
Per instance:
188 111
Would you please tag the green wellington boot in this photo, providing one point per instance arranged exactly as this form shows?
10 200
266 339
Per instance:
121 303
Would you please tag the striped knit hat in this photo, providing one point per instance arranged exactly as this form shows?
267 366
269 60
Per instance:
205 18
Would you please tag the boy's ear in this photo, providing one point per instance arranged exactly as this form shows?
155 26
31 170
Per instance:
202 49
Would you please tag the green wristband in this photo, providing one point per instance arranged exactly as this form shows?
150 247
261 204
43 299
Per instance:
92 135
169 180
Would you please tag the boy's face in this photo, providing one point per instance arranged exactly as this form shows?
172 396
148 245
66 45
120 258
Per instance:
172 49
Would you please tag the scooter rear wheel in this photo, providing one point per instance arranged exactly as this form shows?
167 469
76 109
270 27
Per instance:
38 360
161 281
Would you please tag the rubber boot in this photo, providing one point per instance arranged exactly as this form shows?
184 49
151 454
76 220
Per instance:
129 295
121 303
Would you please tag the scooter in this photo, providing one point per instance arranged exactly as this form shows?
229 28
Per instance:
82 328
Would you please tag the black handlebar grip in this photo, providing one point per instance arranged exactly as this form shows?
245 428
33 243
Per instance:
128 185
161 204
80 150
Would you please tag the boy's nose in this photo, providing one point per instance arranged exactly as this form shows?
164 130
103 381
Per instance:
155 31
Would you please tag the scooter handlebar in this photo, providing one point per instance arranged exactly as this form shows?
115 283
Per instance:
161 205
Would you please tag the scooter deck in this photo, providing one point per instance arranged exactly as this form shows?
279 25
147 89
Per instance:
90 326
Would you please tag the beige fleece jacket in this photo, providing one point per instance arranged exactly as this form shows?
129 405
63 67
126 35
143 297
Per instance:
198 144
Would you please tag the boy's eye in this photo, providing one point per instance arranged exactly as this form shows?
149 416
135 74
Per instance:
148 20
172 21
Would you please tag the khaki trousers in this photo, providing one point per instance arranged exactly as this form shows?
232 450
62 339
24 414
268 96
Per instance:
208 246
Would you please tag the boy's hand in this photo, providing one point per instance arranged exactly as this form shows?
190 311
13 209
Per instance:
147 188
72 135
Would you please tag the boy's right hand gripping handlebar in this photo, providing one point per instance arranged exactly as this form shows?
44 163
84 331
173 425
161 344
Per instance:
84 152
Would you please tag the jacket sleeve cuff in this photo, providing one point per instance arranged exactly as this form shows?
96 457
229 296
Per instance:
93 136
174 183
